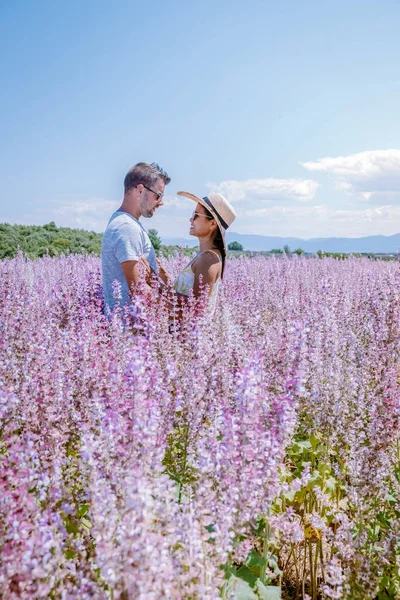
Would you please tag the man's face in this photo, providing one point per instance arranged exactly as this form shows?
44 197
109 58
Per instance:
150 200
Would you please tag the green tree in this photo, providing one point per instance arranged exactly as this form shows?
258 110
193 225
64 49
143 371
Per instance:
286 249
298 251
155 239
35 240
61 243
50 226
276 251
235 246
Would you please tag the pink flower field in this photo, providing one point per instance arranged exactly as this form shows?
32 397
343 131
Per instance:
252 456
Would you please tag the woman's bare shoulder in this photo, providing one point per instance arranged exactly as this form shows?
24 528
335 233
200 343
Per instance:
206 259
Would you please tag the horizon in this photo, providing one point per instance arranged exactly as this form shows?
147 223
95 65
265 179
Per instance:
190 238
289 111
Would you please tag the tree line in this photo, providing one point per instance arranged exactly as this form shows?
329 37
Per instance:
37 240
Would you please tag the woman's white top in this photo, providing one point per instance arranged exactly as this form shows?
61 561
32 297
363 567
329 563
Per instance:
185 281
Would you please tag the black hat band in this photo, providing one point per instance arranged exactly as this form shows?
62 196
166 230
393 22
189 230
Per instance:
207 201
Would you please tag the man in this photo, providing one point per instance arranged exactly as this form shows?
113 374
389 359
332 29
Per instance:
125 240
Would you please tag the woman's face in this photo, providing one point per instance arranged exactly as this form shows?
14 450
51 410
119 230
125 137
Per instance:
201 225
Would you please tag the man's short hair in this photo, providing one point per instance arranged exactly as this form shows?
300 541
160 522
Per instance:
146 174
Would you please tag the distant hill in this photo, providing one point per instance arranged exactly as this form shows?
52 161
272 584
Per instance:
375 244
37 240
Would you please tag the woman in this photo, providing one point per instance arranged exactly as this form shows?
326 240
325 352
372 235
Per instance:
212 216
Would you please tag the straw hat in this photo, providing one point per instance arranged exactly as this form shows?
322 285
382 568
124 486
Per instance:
222 211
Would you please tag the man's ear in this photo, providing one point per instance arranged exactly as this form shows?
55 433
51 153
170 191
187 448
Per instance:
135 191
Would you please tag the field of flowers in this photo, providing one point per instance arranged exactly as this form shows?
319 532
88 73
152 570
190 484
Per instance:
256 456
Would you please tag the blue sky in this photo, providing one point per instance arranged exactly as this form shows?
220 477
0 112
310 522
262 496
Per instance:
290 109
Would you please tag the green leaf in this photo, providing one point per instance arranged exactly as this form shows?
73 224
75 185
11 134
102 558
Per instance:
254 559
305 445
268 592
314 480
384 582
172 476
83 510
383 519
260 526
390 498
273 564
330 484
239 589
242 591
314 441
245 574
229 571
324 468
86 523
300 495
289 496
71 525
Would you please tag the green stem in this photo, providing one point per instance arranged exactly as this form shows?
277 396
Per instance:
321 558
182 475
311 570
265 553
297 572
288 559
304 568
316 569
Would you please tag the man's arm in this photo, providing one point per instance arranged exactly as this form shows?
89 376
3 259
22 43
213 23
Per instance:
128 248
132 275
131 272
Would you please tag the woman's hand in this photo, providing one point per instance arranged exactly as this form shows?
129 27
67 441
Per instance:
164 277
162 272
147 270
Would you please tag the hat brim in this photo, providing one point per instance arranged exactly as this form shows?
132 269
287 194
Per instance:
206 206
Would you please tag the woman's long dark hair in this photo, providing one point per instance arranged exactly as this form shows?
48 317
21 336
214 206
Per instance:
218 241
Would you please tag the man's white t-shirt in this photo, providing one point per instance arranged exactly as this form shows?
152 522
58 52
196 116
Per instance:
124 239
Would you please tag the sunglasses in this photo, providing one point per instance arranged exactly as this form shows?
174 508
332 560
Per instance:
159 196
196 214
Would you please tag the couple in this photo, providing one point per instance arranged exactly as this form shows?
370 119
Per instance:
125 242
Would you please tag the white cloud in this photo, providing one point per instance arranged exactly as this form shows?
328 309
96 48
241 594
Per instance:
84 213
372 176
81 212
262 191
322 221
264 206
170 220
177 202
90 213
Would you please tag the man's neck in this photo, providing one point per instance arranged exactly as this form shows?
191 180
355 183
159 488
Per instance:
135 212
